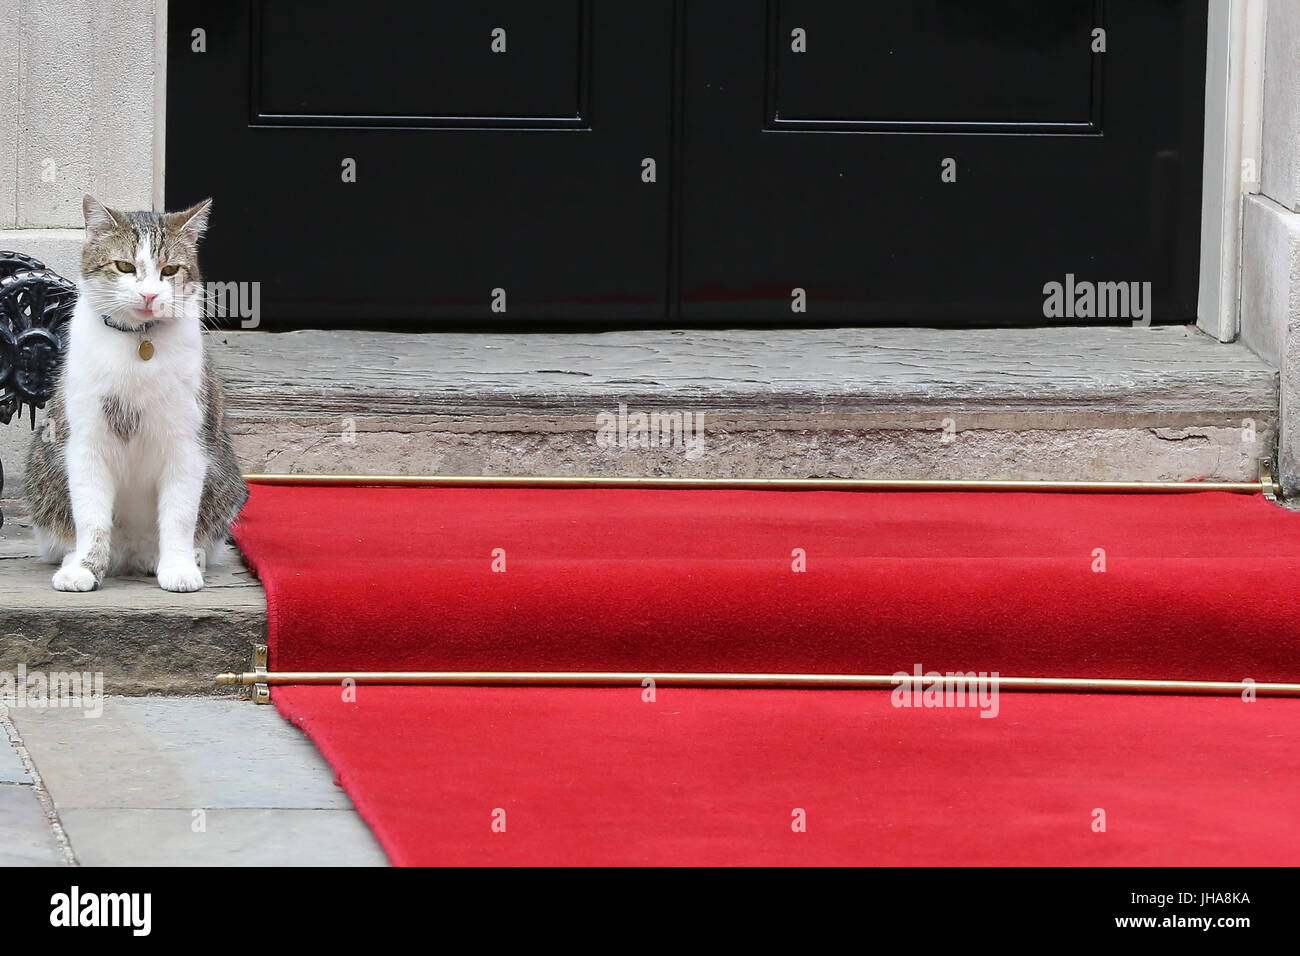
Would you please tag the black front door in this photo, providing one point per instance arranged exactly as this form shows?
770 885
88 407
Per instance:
798 161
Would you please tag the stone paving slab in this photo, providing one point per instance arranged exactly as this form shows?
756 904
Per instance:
185 781
231 837
178 753
11 765
25 835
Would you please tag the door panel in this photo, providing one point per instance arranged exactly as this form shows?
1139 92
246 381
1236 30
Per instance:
482 180
321 61
906 65
823 172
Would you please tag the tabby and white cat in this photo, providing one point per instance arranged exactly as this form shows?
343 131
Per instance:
133 471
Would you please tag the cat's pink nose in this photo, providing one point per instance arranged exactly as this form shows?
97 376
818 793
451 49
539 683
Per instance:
148 299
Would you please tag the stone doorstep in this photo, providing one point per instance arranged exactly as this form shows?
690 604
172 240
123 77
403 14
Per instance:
1088 403
144 640
1149 404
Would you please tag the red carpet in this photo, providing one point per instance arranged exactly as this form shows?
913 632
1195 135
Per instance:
1200 586
713 777
1195 587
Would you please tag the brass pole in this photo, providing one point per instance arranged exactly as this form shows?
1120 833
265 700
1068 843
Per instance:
767 484
824 681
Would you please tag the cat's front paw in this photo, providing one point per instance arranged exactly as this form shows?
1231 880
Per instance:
75 577
179 576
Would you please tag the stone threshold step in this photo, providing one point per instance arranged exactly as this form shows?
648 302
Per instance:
142 639
1166 403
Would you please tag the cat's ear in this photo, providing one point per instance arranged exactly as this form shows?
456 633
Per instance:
191 223
99 218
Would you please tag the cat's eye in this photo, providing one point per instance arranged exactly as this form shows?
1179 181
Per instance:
123 266
169 271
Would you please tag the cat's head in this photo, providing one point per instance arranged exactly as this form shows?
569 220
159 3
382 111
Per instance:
140 267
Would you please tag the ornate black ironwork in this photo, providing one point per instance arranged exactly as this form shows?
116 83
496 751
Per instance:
35 308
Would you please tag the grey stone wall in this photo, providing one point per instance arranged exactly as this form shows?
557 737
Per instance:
1270 287
78 94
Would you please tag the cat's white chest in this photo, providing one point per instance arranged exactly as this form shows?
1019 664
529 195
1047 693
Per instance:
144 415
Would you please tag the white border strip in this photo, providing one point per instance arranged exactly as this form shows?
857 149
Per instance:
159 105
1233 117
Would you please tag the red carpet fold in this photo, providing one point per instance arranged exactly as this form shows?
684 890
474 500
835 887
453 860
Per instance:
1198 587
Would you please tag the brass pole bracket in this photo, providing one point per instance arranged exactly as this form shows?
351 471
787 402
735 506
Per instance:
261 689
1267 470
